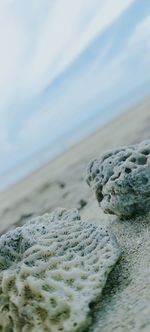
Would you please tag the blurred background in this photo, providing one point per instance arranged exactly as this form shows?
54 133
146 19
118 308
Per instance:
66 68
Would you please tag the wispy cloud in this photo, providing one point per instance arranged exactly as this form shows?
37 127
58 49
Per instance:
140 39
63 34
62 60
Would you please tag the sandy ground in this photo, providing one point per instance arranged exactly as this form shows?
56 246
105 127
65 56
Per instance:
125 305
61 182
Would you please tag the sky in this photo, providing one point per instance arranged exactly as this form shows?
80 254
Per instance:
64 63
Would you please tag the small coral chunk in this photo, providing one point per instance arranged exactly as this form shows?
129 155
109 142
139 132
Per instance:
121 180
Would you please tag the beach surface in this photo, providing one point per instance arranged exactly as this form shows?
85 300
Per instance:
125 305
61 182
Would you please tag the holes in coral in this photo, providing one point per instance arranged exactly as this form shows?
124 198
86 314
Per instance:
28 293
91 305
89 179
53 302
128 170
99 196
141 160
66 268
123 158
133 160
42 313
62 315
10 285
147 195
144 180
96 269
108 197
145 152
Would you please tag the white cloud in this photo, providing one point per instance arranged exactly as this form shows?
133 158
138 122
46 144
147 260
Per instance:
35 51
141 34
64 36
40 39
140 39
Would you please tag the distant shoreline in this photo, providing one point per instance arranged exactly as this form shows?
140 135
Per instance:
61 181
60 145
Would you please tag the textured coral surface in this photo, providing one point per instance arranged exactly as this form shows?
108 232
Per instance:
121 180
51 270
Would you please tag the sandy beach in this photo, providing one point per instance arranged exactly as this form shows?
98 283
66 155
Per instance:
61 183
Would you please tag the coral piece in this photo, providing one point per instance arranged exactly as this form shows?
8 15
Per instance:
51 270
121 180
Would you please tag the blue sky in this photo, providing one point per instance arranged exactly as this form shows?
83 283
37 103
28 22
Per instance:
63 62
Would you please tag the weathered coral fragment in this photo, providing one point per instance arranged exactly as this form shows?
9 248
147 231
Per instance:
51 270
121 180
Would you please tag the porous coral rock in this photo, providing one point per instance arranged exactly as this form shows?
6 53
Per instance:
51 270
121 180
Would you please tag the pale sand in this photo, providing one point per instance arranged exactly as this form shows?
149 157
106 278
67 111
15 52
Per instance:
125 305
